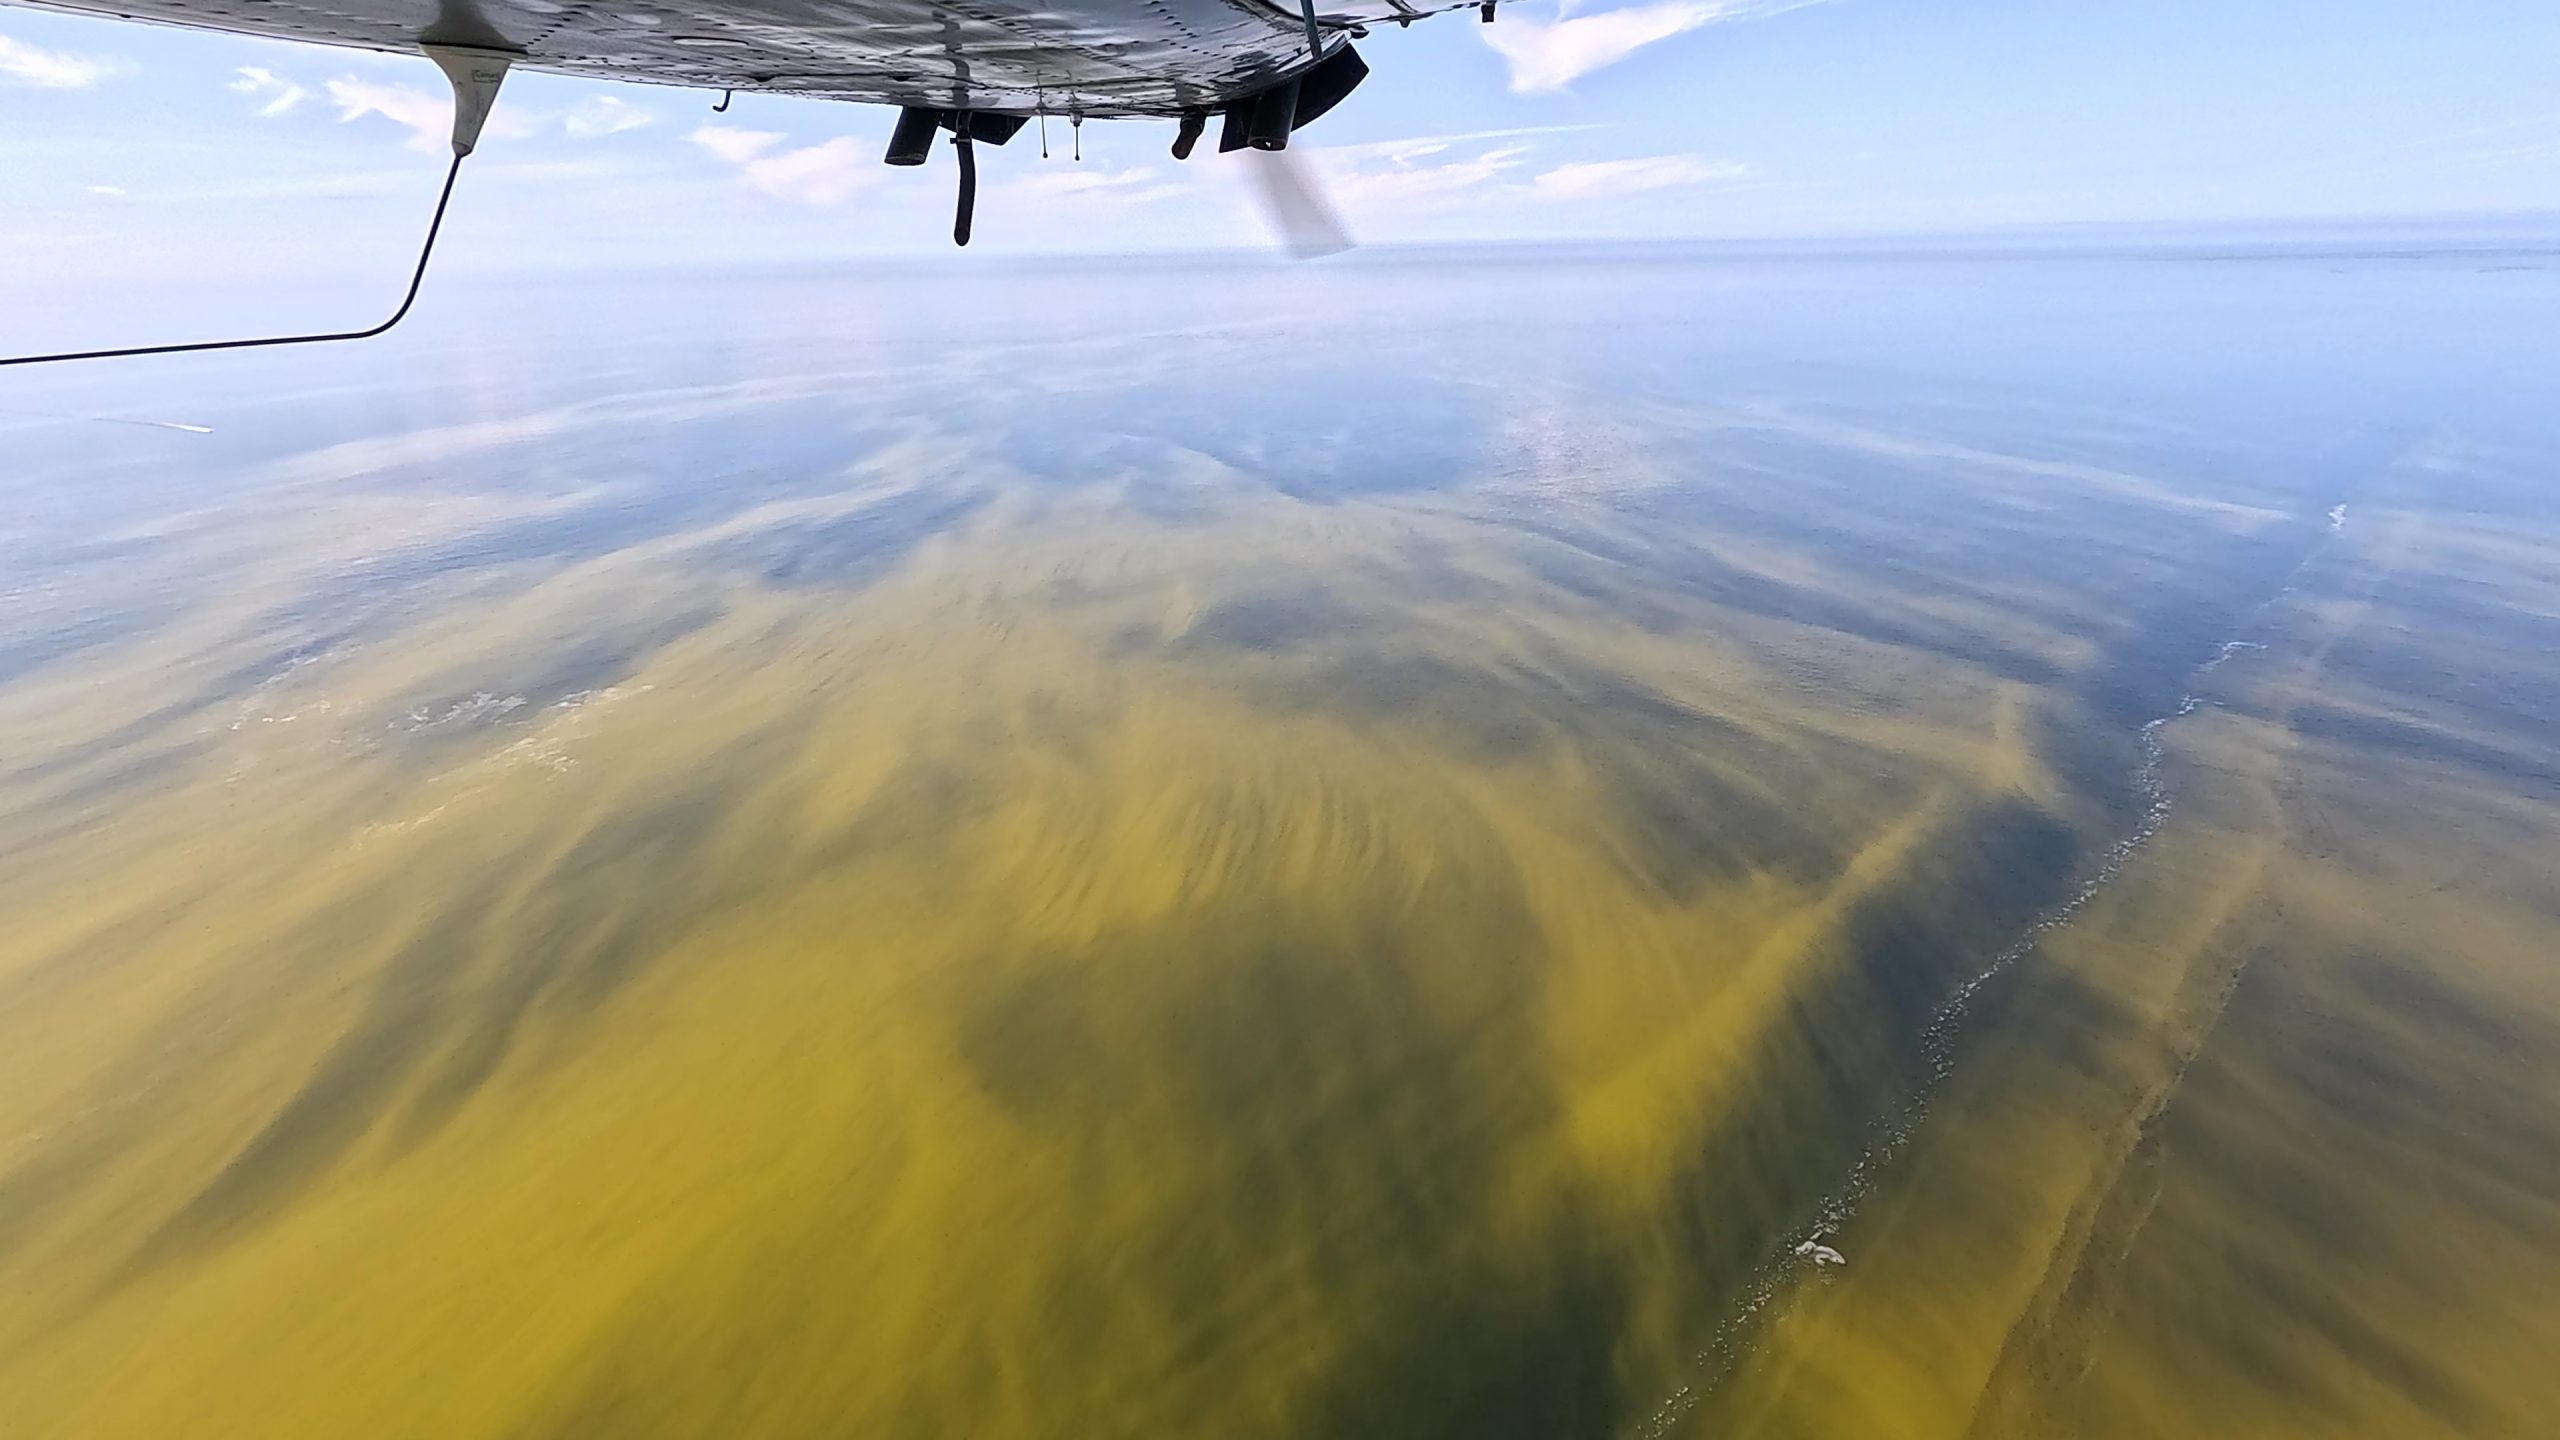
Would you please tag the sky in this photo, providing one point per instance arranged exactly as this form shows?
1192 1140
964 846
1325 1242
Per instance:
133 153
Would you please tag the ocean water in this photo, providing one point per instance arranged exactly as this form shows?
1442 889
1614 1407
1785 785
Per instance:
1411 846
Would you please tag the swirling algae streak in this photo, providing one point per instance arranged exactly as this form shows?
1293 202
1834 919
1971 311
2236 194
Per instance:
1280 979
1790 1261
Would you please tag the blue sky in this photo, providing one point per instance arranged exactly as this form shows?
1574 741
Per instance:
137 153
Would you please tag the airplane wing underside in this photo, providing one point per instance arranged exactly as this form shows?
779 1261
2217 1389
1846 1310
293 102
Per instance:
1087 57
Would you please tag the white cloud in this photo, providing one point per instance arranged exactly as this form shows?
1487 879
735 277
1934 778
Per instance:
600 115
1415 147
300 185
427 115
1591 179
282 94
1493 167
25 64
1412 174
828 173
1551 54
1097 184
428 118
824 174
734 145
110 191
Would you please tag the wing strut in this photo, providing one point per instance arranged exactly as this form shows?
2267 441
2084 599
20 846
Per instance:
476 75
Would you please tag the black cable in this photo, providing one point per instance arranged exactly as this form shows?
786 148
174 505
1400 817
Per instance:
416 278
968 183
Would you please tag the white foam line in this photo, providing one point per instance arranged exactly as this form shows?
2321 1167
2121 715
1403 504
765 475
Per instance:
147 424
115 420
1938 1040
